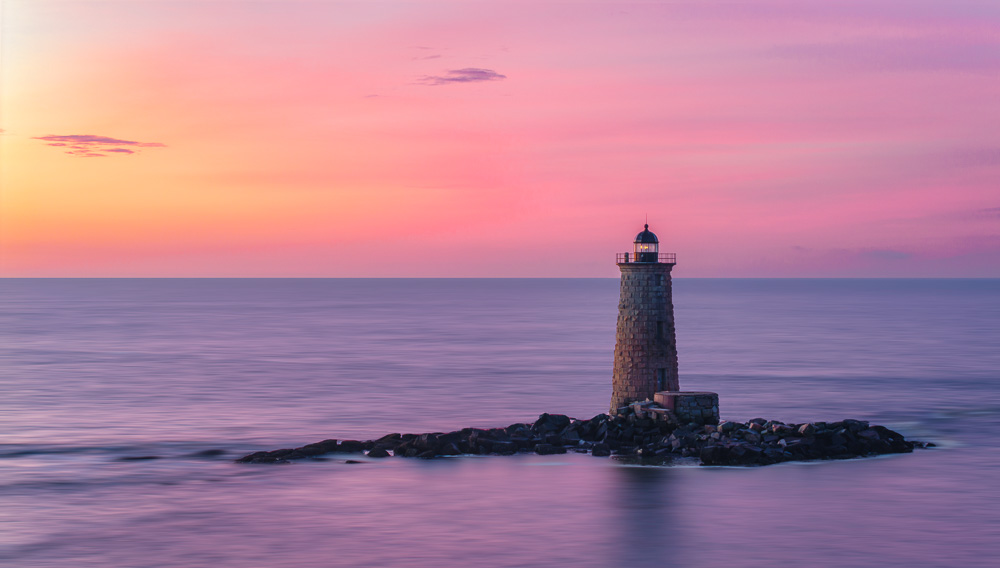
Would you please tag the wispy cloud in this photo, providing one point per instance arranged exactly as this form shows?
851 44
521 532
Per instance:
91 146
882 254
907 54
989 212
466 75
862 253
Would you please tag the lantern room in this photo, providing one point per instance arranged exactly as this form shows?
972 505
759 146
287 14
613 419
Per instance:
646 250
647 246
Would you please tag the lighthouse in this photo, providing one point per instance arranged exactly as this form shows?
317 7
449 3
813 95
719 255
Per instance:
645 343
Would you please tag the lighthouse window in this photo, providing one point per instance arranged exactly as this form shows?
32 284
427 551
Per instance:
661 379
646 247
659 330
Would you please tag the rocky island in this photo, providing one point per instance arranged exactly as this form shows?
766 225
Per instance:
637 434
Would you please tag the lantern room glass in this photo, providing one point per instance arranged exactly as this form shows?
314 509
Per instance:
647 248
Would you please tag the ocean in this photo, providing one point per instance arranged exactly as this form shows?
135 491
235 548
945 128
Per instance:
189 374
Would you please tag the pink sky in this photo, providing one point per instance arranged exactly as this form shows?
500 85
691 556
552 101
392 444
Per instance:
515 138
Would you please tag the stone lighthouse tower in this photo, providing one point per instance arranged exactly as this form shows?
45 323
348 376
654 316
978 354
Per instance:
646 344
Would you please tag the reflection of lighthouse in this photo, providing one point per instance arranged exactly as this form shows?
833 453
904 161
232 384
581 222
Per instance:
645 345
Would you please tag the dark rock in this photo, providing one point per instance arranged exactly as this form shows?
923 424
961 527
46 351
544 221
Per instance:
855 425
208 454
869 434
449 449
571 437
801 449
138 458
548 449
378 452
551 423
311 450
623 450
727 427
426 442
836 439
263 457
501 433
523 443
351 447
839 451
601 450
327 446
601 432
714 455
250 457
781 429
353 461
774 455
504 448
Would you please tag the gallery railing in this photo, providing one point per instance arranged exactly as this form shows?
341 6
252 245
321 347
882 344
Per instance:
646 257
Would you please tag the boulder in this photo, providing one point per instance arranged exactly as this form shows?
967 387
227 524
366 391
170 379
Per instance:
551 423
504 448
548 449
378 452
601 450
351 447
208 454
449 449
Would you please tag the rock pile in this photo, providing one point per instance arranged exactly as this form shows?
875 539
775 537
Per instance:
632 435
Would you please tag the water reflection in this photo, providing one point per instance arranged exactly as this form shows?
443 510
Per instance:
646 524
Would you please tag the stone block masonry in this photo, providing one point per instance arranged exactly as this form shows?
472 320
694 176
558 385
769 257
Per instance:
691 407
645 343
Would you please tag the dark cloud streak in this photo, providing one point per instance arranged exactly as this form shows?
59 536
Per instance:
92 146
466 75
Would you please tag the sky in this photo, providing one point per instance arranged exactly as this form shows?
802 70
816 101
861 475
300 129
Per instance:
295 138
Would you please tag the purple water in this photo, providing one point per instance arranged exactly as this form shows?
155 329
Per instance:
92 371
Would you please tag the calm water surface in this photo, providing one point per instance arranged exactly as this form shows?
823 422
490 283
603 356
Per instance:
93 371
